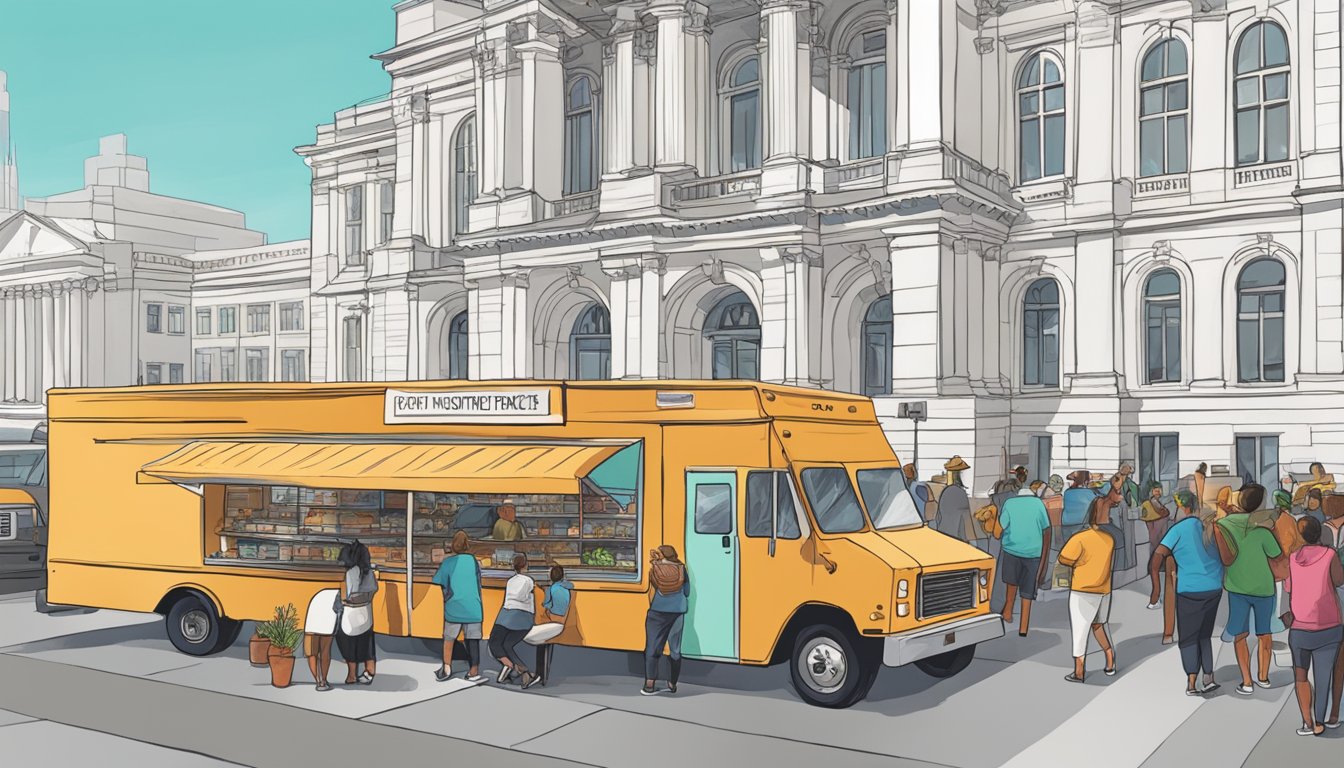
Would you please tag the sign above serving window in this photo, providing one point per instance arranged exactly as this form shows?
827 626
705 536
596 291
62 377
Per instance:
500 406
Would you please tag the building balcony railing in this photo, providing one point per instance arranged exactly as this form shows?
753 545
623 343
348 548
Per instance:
857 175
583 202
964 170
746 184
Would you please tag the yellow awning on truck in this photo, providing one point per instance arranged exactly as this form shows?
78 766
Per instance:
428 467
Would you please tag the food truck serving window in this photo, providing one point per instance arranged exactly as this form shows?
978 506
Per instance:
291 526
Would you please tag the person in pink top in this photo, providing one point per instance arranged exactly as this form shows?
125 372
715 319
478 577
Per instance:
1315 630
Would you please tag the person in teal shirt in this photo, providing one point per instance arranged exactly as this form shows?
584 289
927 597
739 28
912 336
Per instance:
1026 543
459 576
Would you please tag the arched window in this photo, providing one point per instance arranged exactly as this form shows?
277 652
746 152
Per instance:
590 344
1164 109
453 353
734 333
1162 319
1261 65
580 159
1040 116
1260 313
464 172
1040 334
877 346
741 98
868 95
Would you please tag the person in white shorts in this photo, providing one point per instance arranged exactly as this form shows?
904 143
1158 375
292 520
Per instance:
1089 553
319 626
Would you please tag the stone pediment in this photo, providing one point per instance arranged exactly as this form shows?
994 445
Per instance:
26 236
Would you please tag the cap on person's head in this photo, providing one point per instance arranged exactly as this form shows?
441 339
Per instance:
956 464
1185 499
1283 500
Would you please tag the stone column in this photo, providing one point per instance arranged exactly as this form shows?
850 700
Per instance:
411 116
791 316
8 338
495 58
1090 310
839 73
918 37
78 334
626 106
917 270
47 307
497 325
637 314
21 363
61 334
542 97
1096 148
786 29
684 86
1209 109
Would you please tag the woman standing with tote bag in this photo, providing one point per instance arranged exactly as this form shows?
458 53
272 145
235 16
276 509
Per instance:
354 631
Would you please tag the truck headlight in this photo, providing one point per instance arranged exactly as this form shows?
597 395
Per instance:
984 578
902 609
902 588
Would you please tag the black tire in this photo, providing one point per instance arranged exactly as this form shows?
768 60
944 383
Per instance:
229 629
193 625
947 664
832 667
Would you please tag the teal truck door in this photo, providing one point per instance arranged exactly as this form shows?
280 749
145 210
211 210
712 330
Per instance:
711 558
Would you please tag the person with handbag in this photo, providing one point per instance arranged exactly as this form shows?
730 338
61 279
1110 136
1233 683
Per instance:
514 621
354 631
664 622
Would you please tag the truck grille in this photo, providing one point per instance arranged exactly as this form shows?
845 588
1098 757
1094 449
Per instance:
6 525
944 593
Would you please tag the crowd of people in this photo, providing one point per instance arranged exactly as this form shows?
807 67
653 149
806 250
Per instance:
345 616
1276 556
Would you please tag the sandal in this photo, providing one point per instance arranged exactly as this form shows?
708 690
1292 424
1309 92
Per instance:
324 686
365 678
1072 678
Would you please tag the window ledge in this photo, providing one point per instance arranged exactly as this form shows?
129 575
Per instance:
1264 173
1045 190
1165 185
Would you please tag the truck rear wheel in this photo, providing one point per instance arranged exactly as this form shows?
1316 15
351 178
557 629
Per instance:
833 668
196 628
947 664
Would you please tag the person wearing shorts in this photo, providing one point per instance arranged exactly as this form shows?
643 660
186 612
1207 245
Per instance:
1089 553
1247 551
459 576
1025 542
1315 629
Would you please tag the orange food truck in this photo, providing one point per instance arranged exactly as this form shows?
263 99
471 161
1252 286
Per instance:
213 504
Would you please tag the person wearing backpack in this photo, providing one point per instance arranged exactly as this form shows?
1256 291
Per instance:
666 617
1332 535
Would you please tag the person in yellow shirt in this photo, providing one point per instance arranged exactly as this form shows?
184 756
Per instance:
1089 553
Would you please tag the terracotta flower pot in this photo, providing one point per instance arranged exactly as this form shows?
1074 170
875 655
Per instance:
258 648
282 666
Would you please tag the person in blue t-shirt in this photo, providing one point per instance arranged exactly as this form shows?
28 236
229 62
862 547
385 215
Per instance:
459 576
1026 546
1199 589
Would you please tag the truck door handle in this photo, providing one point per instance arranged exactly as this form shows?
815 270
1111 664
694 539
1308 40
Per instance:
727 542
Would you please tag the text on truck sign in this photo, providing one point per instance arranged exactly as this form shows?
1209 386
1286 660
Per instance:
514 406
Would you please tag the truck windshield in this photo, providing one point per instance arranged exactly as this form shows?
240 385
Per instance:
888 499
832 498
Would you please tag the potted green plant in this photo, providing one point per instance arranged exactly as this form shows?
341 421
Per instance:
284 634
258 648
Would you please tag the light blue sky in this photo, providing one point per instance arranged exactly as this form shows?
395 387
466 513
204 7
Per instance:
215 94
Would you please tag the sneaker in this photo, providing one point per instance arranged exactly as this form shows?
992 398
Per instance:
365 678
504 674
1154 606
477 678
324 687
1245 690
1211 687
1306 731
441 675
672 688
530 680
1262 683
1331 726
648 690
1193 692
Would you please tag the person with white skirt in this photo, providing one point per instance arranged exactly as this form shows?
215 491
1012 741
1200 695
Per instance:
1090 553
319 627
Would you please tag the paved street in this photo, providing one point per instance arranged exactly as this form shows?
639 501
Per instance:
109 685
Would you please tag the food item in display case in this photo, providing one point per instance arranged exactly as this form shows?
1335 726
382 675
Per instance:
422 525
573 528
600 557
544 528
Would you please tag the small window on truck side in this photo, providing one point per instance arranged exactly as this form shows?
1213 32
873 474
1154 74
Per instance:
771 510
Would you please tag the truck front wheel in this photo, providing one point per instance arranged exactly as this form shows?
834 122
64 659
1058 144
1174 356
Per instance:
947 664
196 628
833 668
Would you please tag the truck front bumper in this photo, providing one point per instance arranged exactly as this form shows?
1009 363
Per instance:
922 643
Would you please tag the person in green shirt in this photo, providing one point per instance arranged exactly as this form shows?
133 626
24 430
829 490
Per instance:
1249 553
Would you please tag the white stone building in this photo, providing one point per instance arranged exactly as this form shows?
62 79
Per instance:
249 313
1085 232
96 284
9 163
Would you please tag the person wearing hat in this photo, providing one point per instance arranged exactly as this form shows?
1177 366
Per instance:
954 506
